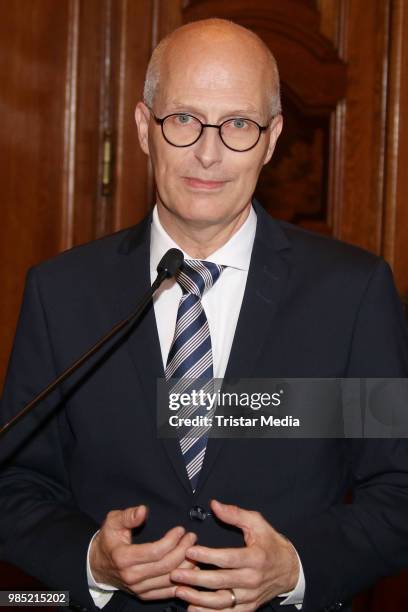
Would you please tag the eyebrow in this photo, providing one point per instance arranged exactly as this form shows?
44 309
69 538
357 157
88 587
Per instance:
247 112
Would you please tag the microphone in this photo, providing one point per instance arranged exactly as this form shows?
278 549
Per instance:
168 266
170 263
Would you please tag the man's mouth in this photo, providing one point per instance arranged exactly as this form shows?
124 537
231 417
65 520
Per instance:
197 183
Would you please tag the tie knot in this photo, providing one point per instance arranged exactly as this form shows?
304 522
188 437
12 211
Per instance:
195 276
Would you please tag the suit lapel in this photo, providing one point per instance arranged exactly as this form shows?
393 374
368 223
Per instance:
133 279
266 284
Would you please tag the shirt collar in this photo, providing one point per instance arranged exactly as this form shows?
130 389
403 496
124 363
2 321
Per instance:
236 253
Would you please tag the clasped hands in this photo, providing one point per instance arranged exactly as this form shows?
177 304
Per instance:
265 567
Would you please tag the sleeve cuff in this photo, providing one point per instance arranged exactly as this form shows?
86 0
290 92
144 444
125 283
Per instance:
101 593
296 596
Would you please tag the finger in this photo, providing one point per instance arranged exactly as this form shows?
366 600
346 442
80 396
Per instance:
137 554
234 515
170 561
216 579
136 573
186 564
244 602
246 607
126 519
216 600
154 584
159 582
221 557
167 593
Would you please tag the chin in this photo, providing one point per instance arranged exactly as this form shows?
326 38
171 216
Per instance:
206 211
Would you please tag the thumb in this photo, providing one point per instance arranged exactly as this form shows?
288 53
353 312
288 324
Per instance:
128 518
247 520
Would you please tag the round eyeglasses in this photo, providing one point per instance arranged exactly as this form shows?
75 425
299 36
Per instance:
183 130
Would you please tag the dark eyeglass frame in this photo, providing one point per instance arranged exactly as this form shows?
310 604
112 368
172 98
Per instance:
160 121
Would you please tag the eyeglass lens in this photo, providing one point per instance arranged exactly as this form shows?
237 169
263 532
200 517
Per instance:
184 130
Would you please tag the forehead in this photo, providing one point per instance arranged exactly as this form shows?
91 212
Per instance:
224 74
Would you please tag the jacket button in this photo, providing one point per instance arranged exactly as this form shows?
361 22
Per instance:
198 513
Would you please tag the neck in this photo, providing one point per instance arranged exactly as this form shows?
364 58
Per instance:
200 239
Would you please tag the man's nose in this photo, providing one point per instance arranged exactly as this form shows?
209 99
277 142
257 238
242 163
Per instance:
209 148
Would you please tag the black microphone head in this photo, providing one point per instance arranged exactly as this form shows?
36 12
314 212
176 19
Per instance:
171 262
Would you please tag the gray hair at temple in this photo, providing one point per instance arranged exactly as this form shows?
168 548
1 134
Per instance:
153 72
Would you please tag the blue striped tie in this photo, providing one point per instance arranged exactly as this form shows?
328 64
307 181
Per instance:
190 361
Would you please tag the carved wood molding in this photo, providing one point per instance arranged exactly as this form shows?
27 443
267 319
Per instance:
291 29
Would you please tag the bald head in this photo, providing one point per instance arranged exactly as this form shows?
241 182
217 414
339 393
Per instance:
221 44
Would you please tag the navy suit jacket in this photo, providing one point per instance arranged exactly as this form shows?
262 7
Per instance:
313 307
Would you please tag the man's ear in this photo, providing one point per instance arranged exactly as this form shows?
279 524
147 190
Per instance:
142 118
275 129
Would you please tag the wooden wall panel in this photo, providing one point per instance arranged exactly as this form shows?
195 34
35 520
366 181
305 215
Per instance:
34 152
142 25
395 234
364 46
86 101
370 128
131 166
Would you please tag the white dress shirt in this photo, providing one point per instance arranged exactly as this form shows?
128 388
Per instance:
222 304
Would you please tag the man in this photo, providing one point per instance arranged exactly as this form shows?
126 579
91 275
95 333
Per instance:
94 501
